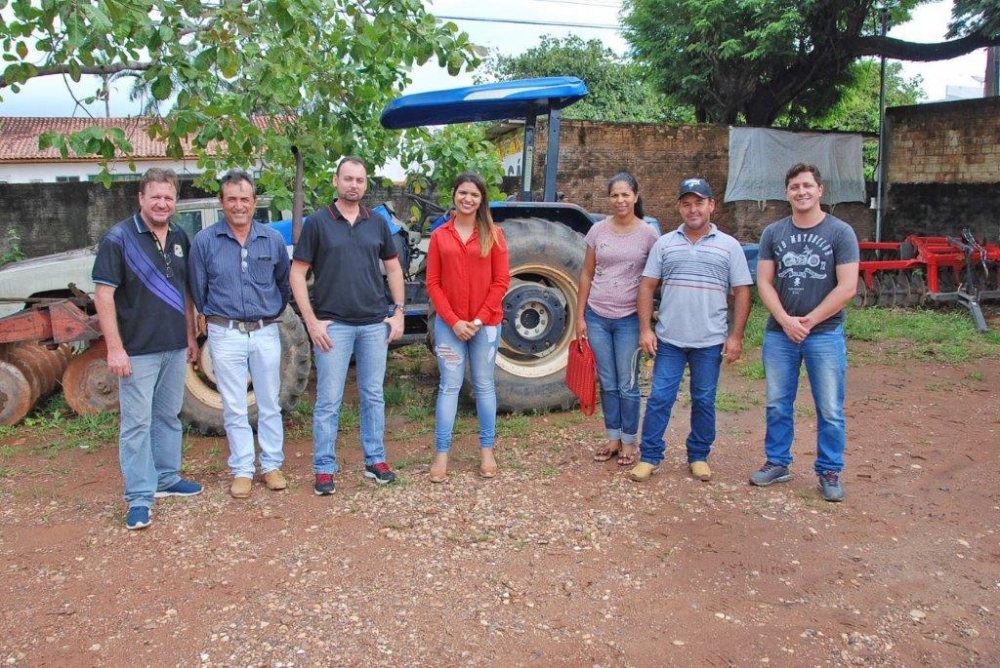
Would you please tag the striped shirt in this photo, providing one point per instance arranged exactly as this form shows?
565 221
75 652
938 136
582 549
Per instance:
696 278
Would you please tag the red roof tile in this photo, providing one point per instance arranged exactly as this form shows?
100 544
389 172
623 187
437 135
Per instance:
19 137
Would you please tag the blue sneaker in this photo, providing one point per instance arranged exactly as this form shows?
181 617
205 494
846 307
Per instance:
380 473
137 518
180 488
769 474
829 484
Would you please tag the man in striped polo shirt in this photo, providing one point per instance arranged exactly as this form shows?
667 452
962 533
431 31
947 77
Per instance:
697 266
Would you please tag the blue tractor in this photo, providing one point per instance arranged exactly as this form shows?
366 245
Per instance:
545 239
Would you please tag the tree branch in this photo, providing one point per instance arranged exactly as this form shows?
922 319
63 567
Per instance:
95 69
913 51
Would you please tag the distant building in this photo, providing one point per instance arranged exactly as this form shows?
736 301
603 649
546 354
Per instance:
21 161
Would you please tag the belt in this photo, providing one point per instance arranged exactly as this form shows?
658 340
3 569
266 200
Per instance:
251 326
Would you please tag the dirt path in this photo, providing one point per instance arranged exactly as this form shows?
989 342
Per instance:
558 562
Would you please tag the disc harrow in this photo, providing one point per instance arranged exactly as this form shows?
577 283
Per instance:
922 270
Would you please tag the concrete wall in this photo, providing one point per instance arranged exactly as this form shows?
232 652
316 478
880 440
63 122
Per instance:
55 217
944 169
660 157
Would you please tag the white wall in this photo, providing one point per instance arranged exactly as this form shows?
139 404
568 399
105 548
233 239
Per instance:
48 171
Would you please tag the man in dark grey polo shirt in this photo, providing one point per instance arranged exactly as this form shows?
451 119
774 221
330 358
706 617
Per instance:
239 282
148 326
344 243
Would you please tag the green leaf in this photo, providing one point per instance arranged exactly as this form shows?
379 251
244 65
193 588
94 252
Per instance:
161 87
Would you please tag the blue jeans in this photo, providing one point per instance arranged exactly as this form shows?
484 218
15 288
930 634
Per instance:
234 354
480 354
370 346
149 443
825 356
615 342
668 372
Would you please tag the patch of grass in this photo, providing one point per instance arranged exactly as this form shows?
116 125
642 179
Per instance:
976 376
418 411
752 370
733 402
397 394
803 410
350 417
514 426
550 471
407 462
947 335
6 473
569 419
7 431
6 451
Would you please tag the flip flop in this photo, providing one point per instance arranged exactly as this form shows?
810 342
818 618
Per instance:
629 458
606 453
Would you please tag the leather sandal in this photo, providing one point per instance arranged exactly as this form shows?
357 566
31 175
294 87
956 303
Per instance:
606 453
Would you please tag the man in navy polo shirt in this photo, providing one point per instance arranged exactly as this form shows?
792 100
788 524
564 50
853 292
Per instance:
239 282
343 244
147 319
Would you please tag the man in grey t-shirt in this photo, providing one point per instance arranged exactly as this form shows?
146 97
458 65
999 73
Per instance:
697 266
806 274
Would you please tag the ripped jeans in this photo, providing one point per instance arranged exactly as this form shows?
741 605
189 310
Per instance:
480 354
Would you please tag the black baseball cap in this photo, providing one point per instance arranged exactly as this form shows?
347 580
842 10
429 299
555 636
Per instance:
698 187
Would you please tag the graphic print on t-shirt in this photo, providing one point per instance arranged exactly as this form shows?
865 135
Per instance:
803 257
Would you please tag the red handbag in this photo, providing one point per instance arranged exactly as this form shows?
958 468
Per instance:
581 375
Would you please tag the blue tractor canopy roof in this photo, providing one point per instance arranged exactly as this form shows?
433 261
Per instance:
485 102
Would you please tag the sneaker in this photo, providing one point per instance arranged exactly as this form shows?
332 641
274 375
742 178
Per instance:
829 484
275 480
324 484
240 489
137 518
769 474
180 488
380 473
642 471
701 471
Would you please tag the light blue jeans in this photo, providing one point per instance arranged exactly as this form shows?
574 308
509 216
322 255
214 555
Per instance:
149 443
825 357
480 354
668 372
615 342
234 354
370 346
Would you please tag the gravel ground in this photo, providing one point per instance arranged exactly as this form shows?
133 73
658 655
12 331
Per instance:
557 562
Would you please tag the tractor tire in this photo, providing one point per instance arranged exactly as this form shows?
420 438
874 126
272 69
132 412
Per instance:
546 259
202 408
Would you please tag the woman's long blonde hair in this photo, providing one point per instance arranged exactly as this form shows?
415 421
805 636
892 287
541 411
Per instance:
485 227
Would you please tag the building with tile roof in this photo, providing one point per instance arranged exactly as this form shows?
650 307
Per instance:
21 161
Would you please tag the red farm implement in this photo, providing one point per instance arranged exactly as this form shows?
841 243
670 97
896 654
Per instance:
36 358
930 269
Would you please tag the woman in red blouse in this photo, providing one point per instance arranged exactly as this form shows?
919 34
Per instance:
467 277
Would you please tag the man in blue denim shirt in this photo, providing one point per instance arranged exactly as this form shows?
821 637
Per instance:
239 282
806 274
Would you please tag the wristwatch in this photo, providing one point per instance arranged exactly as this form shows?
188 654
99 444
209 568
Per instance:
477 322
399 307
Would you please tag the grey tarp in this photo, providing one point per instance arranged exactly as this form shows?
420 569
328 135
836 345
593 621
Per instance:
759 158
